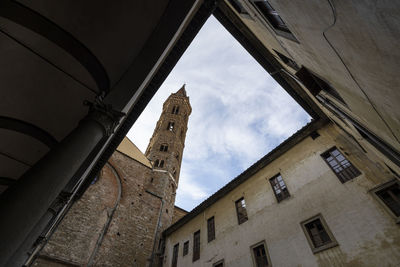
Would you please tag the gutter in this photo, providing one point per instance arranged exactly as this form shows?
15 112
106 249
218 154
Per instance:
157 227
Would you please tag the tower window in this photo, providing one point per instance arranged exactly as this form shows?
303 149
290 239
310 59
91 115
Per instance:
318 234
343 169
159 163
177 156
211 229
175 110
164 148
279 187
241 210
196 246
175 256
171 126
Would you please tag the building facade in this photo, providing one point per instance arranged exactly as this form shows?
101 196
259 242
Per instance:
118 220
316 200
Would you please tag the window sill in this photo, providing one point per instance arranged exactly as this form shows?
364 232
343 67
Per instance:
324 247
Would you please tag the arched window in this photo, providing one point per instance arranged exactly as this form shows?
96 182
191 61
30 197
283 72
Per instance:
164 147
175 110
170 126
156 163
161 163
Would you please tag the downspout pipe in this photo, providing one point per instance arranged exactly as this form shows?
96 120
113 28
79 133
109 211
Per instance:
110 217
157 227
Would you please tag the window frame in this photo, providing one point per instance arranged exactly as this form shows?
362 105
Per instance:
381 187
253 257
211 234
219 262
341 179
284 196
196 256
329 245
175 254
272 23
185 250
237 211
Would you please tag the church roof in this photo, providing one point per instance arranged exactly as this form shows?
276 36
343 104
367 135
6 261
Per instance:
128 148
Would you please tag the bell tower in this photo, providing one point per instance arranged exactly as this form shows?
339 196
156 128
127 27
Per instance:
168 141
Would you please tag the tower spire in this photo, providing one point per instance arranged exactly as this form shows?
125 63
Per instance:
182 90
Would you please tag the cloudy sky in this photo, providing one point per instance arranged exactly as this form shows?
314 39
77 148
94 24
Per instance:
239 113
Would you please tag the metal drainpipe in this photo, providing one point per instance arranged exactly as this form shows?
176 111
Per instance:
157 227
110 216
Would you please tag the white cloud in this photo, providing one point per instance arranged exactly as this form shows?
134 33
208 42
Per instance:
239 113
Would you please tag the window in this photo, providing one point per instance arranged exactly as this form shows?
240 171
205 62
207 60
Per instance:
175 256
279 187
171 126
175 110
238 7
177 155
260 255
164 147
241 210
211 229
196 246
219 264
272 17
185 248
287 60
343 169
159 163
315 84
389 194
318 235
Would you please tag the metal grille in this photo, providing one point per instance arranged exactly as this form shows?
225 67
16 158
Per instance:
211 229
391 197
175 256
185 248
196 246
241 210
260 256
317 233
279 186
343 169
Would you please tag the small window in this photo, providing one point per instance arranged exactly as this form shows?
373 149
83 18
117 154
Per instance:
211 229
389 194
164 148
279 187
315 84
177 155
260 255
175 110
159 163
171 126
175 256
241 210
343 169
185 248
291 63
196 246
272 17
219 264
238 7
318 234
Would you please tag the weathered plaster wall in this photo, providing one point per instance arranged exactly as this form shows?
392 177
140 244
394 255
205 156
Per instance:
366 233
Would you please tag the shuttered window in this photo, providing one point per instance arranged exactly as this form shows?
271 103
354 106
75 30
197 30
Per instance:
211 229
196 246
175 256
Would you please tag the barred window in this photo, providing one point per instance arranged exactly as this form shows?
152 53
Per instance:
241 210
175 256
185 248
318 234
211 229
196 246
279 187
343 169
